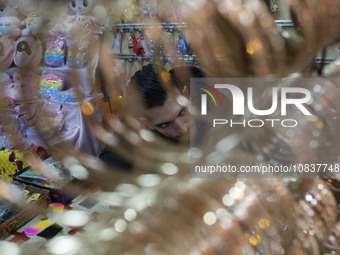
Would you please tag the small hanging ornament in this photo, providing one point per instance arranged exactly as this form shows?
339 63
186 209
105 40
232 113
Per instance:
273 7
133 44
144 46
182 45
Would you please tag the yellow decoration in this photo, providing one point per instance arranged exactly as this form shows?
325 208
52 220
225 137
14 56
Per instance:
165 76
255 239
87 108
253 46
11 162
299 252
319 125
264 223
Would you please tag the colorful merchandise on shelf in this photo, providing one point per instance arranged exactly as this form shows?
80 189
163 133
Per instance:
51 116
50 120
58 178
9 21
55 51
133 44
28 52
67 96
50 84
14 219
7 47
77 51
10 163
24 86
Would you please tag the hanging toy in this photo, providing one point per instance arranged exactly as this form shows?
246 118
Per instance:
152 47
182 45
145 47
133 44
273 7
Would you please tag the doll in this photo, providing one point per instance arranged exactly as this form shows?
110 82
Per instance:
82 9
34 21
23 87
9 21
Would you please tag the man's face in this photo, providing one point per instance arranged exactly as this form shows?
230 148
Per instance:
171 120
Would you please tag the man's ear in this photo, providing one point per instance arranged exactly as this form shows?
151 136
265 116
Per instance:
185 91
146 123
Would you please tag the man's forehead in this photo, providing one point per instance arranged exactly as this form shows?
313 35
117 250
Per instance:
165 113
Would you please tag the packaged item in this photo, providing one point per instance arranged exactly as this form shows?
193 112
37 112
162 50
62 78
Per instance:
11 162
12 219
50 84
59 178
77 51
67 96
55 50
50 120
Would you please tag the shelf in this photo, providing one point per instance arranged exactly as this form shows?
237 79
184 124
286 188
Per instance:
133 57
130 27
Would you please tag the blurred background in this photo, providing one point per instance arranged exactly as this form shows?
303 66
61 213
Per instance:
82 174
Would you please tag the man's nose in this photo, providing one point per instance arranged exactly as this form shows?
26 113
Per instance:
181 126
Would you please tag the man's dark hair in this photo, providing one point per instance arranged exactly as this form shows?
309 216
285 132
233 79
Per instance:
148 84
181 75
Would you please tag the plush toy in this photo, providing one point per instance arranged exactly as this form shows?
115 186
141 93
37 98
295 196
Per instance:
34 19
9 21
23 87
5 79
28 52
7 46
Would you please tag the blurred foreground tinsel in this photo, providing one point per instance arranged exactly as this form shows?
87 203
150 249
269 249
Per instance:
159 209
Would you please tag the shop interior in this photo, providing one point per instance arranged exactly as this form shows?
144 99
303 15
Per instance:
169 127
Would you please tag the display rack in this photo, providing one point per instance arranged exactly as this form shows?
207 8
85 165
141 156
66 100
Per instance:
127 27
190 59
175 26
169 27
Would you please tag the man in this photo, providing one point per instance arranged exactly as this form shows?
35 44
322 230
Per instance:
163 113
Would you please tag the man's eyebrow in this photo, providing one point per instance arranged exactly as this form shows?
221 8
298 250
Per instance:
167 122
